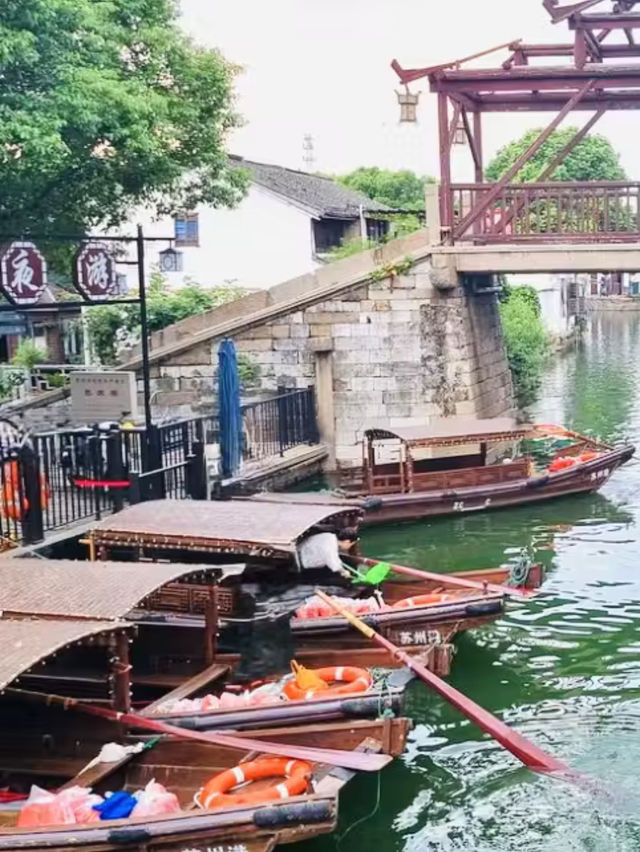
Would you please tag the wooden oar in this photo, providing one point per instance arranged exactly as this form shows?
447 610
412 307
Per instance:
360 761
450 581
526 751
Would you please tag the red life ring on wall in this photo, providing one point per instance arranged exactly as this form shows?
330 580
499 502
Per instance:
215 793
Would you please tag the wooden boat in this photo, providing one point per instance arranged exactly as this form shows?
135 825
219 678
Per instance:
453 466
268 535
183 767
47 744
169 662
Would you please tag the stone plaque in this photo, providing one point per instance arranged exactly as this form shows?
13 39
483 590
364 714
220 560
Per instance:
98 396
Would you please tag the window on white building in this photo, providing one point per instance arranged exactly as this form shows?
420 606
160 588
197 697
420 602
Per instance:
187 229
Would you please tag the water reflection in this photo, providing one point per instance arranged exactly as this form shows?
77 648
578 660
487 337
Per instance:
563 669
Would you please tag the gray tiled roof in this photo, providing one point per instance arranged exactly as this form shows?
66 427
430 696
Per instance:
323 195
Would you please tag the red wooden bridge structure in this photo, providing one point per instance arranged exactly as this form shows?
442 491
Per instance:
596 74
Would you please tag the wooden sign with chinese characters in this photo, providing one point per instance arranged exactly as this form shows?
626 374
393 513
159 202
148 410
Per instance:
99 396
23 273
94 272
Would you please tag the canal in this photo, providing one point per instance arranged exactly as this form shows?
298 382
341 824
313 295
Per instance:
563 669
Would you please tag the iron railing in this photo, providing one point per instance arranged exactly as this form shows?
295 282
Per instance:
273 426
607 211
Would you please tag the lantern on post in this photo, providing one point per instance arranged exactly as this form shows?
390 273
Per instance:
170 260
408 105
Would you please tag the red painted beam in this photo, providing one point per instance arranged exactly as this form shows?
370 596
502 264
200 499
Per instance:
604 21
492 195
561 13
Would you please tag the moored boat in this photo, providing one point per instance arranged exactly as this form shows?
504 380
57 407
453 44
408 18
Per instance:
454 466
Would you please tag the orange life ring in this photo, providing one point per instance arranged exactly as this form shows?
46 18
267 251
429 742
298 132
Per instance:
347 679
421 600
12 506
215 793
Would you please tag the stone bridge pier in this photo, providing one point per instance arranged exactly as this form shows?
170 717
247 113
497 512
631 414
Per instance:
421 344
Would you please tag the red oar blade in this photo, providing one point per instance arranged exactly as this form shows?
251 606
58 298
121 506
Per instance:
529 753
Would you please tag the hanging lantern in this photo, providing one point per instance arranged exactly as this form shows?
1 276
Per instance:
408 105
460 135
170 260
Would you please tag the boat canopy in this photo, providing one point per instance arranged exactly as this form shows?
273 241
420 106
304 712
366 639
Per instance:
61 588
248 527
451 431
26 642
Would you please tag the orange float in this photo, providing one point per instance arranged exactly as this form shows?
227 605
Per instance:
215 793
346 680
421 600
13 506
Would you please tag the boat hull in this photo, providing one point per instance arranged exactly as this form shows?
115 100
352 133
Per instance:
581 479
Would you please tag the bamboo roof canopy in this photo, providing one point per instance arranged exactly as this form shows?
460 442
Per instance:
61 588
241 526
451 430
26 642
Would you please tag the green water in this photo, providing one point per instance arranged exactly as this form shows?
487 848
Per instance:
563 669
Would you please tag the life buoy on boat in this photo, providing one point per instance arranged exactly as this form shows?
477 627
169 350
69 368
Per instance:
421 600
346 680
215 793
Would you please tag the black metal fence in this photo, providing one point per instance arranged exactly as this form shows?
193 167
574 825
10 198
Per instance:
60 478
272 426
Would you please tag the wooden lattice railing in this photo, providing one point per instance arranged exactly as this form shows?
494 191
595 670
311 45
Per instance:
603 211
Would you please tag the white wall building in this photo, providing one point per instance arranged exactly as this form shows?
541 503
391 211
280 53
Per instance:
280 230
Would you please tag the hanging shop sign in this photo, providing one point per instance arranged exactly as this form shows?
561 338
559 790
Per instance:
23 273
94 272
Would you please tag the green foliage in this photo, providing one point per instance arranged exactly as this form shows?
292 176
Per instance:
350 247
28 354
58 380
403 190
525 338
248 369
592 159
110 325
106 104
392 270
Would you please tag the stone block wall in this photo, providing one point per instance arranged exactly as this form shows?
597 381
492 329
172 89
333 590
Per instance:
400 348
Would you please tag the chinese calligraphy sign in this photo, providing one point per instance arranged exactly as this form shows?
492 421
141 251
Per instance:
23 273
94 272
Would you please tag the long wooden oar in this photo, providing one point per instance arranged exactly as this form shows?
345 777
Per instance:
526 751
360 761
448 579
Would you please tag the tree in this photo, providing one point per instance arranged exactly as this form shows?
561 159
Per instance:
592 159
112 325
105 104
526 340
403 190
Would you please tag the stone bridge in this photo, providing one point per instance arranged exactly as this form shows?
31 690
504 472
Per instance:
385 335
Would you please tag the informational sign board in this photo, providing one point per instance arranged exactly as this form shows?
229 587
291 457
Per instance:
23 273
95 272
99 396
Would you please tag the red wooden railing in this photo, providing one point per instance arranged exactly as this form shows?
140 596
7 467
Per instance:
606 211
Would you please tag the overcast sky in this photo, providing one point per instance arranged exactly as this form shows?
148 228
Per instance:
322 67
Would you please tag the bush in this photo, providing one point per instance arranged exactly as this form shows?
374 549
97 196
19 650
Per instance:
526 340
28 354
111 326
